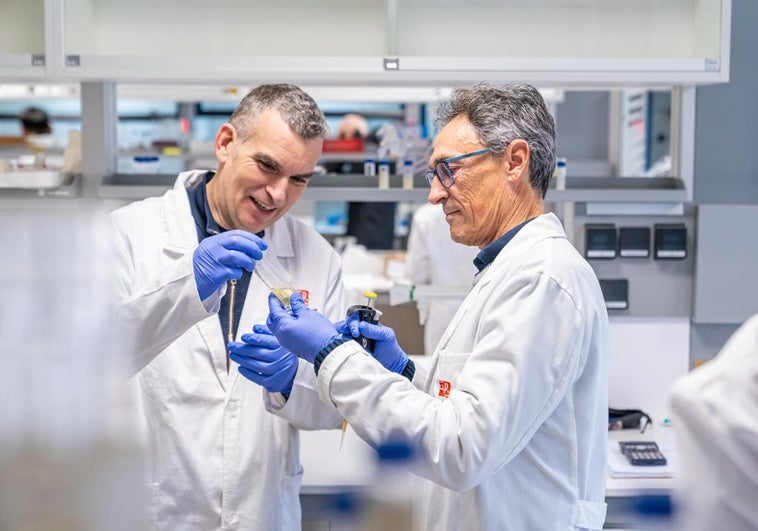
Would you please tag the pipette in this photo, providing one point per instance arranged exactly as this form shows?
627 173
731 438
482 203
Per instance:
369 314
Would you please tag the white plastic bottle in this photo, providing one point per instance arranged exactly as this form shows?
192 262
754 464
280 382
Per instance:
384 174
560 173
369 168
407 174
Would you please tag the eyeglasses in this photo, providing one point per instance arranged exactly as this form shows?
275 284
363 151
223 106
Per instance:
444 173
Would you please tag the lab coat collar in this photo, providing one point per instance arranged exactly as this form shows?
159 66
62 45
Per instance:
539 228
177 222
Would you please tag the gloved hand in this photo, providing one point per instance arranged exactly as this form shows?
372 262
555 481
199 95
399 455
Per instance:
305 332
222 257
387 351
264 361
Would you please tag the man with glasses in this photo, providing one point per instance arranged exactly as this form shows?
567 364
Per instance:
510 422
218 458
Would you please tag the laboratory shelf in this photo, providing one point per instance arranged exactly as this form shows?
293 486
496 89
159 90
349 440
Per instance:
135 186
354 187
620 190
365 194
70 190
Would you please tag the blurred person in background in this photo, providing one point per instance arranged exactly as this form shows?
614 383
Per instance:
218 457
36 129
353 126
715 410
434 259
34 121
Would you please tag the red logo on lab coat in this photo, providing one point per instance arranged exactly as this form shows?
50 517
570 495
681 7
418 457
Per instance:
306 295
445 388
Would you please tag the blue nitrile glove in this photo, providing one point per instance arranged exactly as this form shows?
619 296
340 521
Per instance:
222 257
387 351
264 361
304 332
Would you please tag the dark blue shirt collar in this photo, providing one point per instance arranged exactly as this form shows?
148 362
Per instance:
487 255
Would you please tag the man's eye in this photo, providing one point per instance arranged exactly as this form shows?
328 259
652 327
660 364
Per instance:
265 166
300 180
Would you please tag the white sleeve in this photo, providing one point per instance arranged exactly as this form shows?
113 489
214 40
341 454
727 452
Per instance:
715 410
154 314
509 385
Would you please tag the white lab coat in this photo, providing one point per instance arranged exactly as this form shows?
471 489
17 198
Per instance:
519 443
715 410
434 258
218 459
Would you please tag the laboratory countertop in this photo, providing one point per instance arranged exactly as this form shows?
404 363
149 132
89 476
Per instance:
624 487
356 460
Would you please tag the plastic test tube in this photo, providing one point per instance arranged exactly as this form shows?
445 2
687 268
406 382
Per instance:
408 174
384 174
275 277
369 168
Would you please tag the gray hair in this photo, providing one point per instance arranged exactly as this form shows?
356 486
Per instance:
503 114
296 107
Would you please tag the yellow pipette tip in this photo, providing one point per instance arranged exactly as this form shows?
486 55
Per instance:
344 430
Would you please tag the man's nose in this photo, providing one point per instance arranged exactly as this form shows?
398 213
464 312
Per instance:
277 189
437 192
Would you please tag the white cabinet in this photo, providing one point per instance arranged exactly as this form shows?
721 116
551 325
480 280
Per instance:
568 41
22 39
370 42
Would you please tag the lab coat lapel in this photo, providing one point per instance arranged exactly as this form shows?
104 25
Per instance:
520 243
178 227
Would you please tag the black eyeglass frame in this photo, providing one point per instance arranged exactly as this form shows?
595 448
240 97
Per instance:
443 167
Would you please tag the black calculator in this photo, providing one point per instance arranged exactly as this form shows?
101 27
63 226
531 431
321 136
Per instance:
642 453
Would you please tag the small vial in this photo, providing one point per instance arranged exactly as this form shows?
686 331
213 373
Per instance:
369 168
408 175
560 174
384 174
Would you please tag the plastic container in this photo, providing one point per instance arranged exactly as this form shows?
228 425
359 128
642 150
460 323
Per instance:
560 174
408 175
149 164
336 145
369 168
384 174
275 277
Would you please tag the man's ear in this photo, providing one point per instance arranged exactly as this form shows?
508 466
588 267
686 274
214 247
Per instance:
517 158
224 143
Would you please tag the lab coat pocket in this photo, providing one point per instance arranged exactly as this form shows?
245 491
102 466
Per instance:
291 518
449 367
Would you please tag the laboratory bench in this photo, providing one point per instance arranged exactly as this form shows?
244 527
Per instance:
323 479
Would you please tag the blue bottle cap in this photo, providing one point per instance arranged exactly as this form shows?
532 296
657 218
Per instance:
397 450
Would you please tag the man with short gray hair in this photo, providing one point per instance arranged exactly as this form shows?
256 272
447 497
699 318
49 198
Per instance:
218 457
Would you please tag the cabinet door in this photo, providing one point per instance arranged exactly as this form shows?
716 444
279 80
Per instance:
22 39
228 40
623 41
